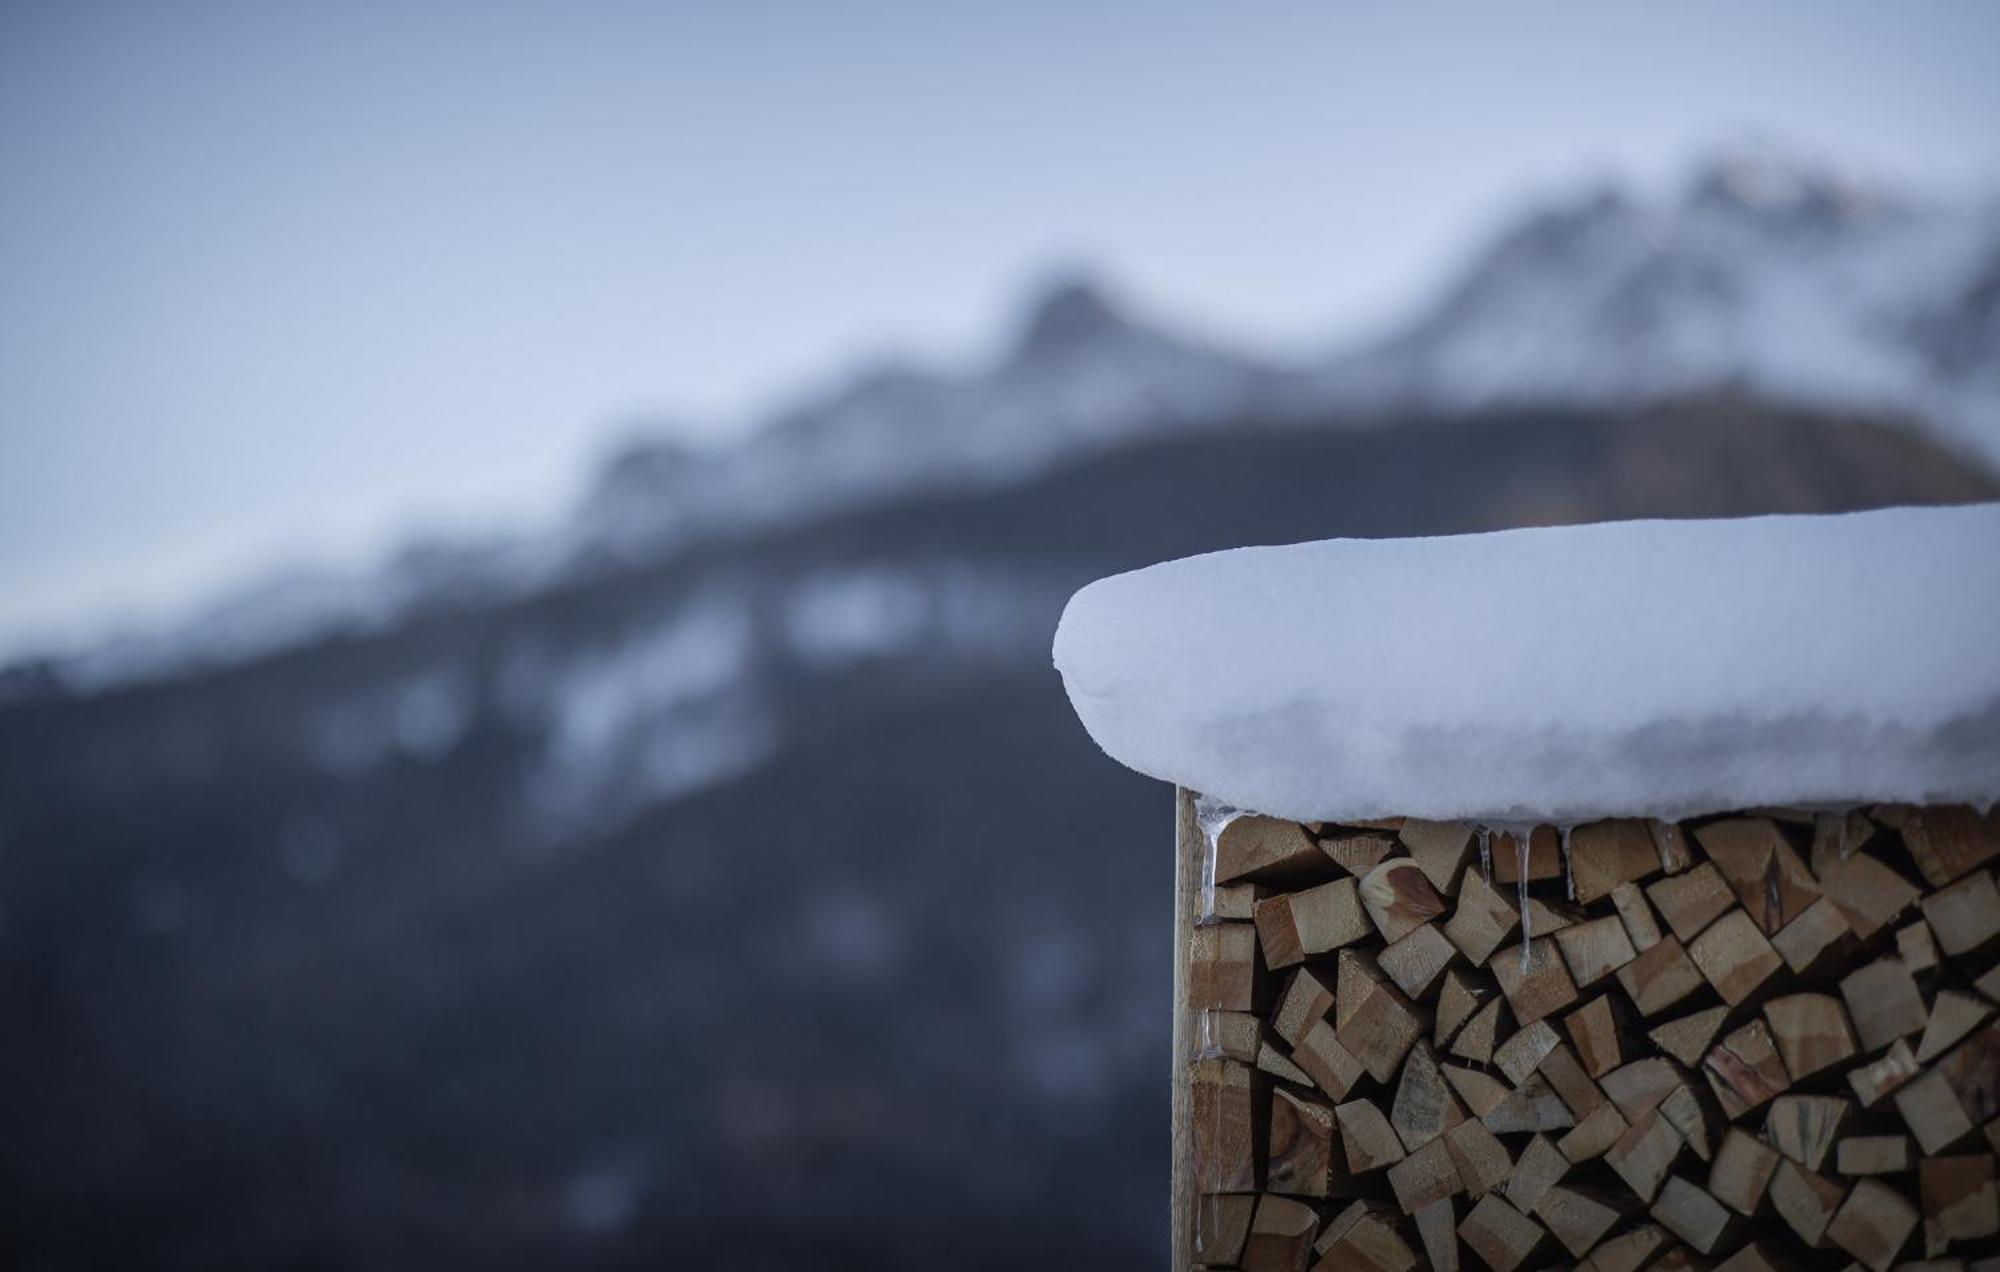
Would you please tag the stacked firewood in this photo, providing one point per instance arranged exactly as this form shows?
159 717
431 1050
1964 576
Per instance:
1756 1040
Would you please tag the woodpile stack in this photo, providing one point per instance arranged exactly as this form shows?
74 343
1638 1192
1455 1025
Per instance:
1763 1039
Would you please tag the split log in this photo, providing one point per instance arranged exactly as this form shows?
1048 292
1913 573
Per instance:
1660 977
1357 854
1687 1038
1305 1002
1964 916
1522 1054
1593 1135
1532 1106
1425 1105
1565 1073
1960 1201
1603 855
1883 1075
1696 1117
1281 1066
1475 1041
1481 920
1479 1090
1479 1157
1499 1234
1366 1137
1953 1016
1805 1200
1543 986
1691 901
1540 1168
1745 1070
1804 1127
1596 949
1629 1251
1640 1085
1692 1215
1281 1235
1875 1155
1578 1220
1946 841
1741 1171
1460 996
1292 926
1266 850
1883 1002
1364 1236
1236 902
1931 1110
1425 1176
1333 1068
1303 1160
1417 959
1644 1154
1916 946
1770 881
1873 1224
1377 1024
1544 855
1399 899
1734 957
1437 1227
1637 915
1221 1222
1814 940
1870 895
1672 844
1594 1032
1442 850
1811 1032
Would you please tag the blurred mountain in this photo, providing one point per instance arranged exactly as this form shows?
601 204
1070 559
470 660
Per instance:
1769 273
723 881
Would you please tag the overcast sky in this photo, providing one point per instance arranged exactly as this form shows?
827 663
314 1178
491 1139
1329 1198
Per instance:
281 280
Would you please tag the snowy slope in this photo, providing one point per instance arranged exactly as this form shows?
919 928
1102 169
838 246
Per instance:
1767 274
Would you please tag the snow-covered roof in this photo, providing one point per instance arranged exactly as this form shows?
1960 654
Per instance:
1629 668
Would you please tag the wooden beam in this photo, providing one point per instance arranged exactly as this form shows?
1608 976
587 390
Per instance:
1222 968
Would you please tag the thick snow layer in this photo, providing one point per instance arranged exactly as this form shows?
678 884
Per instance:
1636 668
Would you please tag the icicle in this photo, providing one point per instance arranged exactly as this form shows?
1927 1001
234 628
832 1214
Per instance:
1521 840
1486 854
1213 816
1569 876
1845 846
